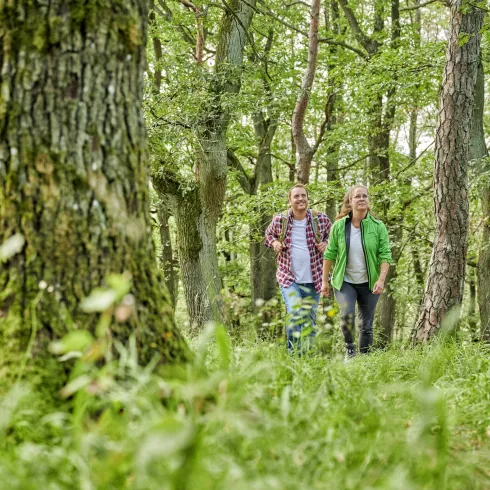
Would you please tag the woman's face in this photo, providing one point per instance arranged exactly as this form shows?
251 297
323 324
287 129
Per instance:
359 199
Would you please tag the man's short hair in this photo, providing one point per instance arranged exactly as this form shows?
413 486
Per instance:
301 186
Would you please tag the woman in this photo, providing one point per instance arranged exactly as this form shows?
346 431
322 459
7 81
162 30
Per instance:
360 248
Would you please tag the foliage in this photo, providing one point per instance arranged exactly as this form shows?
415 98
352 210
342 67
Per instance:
245 415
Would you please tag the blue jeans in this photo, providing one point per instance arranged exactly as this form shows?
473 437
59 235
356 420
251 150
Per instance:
347 297
301 304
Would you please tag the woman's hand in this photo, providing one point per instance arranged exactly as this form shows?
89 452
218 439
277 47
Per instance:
325 292
379 286
321 247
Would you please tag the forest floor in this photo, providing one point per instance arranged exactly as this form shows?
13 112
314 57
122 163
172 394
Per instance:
245 415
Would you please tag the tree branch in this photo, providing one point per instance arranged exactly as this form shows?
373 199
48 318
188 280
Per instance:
362 39
243 179
343 45
328 112
345 167
287 162
412 162
415 7
287 5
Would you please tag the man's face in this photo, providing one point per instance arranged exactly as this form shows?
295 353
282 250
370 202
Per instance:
298 200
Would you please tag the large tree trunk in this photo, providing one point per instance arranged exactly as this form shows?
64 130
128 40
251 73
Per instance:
73 172
445 284
478 153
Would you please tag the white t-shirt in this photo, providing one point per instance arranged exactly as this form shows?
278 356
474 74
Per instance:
356 270
300 255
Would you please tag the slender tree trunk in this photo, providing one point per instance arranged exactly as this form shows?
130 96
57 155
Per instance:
444 288
73 174
304 152
332 26
479 155
166 258
484 267
262 259
419 273
472 303
386 311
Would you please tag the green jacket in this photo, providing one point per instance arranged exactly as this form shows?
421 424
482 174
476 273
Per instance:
375 243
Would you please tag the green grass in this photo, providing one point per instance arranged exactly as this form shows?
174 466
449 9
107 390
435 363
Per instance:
249 417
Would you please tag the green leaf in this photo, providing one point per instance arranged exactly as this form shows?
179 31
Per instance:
223 344
99 300
76 341
120 283
11 247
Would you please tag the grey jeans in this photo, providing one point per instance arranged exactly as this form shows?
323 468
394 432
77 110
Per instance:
347 297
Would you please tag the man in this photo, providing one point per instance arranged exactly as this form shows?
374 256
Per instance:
299 237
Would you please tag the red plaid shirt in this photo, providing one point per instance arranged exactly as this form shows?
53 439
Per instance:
284 275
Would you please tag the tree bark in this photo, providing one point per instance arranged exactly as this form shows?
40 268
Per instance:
445 283
478 154
73 174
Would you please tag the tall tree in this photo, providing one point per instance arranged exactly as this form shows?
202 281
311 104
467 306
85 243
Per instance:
265 122
444 288
73 173
198 208
478 153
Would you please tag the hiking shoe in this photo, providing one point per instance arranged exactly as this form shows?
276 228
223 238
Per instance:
350 352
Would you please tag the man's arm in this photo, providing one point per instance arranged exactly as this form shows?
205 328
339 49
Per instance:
272 235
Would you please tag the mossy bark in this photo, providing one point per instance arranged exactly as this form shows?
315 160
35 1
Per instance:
186 208
73 172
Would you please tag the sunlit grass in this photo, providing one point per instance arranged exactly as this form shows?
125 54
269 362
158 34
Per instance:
248 416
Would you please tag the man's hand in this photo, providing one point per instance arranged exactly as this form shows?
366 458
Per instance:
321 247
325 292
379 286
277 246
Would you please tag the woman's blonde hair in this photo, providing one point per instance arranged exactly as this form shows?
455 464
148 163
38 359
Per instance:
346 202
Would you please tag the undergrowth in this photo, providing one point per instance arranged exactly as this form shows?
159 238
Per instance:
248 416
